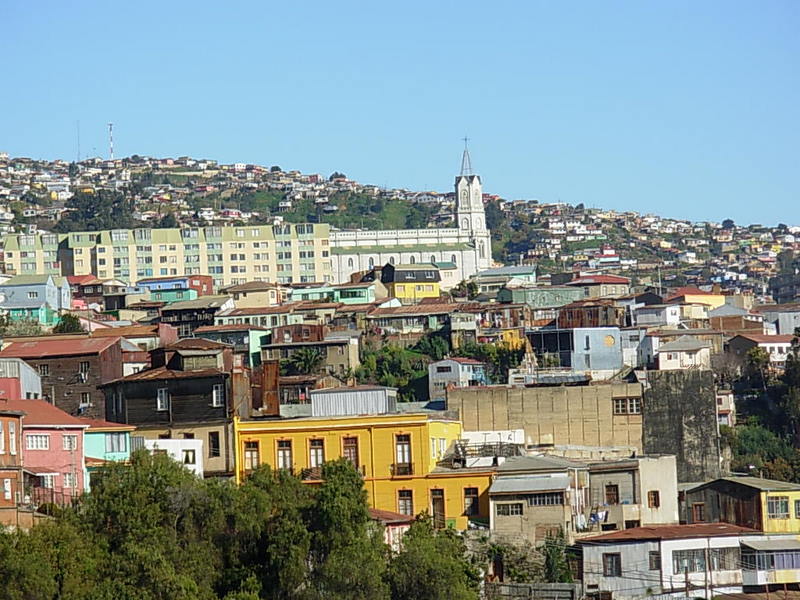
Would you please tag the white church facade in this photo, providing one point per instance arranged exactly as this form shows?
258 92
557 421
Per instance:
468 245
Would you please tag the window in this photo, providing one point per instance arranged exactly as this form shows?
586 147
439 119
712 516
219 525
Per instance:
69 480
162 399
32 295
251 456
509 510
37 441
688 561
285 460
83 367
470 501
44 370
350 448
444 369
405 502
546 499
2 440
316 453
213 444
612 493
612 565
724 559
778 507
634 406
620 406
116 442
653 499
655 560
12 437
218 395
6 489
189 457
86 399
70 442
698 512
796 502
403 454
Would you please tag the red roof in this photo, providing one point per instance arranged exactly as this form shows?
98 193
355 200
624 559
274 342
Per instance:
465 361
127 331
101 424
81 279
599 279
761 338
57 347
387 517
669 532
40 413
162 373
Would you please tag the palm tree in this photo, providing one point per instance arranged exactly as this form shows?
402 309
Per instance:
306 361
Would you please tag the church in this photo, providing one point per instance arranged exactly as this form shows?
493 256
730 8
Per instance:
465 248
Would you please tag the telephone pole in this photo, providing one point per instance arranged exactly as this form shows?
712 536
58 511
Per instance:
111 141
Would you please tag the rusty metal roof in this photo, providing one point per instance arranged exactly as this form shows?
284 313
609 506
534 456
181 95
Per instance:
669 532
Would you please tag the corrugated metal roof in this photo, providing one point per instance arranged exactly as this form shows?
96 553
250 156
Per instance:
529 483
787 543
669 532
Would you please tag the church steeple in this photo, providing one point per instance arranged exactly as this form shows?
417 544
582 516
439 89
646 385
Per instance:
470 215
466 163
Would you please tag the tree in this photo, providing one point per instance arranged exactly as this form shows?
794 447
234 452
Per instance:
337 175
69 323
348 557
168 221
97 210
305 361
434 345
432 564
465 289
556 569
22 327
275 169
728 224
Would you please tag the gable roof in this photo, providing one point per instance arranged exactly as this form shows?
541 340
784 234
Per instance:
599 279
197 344
685 343
39 413
761 338
669 532
27 280
758 483
161 373
201 302
57 347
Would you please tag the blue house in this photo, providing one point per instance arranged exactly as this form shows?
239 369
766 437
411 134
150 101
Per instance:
104 443
582 349
52 290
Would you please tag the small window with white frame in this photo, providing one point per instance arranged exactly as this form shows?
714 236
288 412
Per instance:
162 399
70 441
218 395
37 441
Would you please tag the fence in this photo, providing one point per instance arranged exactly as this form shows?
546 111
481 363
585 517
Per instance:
533 591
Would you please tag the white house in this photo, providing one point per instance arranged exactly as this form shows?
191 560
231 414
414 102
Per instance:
455 372
701 560
684 353
188 452
657 315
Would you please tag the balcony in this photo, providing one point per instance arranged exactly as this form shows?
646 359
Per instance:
315 473
402 469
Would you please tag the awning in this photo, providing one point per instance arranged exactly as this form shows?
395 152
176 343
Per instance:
39 471
775 544
530 483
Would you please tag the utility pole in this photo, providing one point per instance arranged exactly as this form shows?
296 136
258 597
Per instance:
111 141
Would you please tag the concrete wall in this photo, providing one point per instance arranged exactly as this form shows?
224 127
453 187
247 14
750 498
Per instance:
579 415
679 413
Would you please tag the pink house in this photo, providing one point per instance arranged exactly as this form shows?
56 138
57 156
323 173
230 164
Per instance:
53 456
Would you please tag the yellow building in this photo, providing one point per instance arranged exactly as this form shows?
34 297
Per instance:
397 454
411 283
693 295
284 254
762 504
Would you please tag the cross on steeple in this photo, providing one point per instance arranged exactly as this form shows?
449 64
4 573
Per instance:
466 163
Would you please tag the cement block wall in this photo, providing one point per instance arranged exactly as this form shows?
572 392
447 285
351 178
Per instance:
680 417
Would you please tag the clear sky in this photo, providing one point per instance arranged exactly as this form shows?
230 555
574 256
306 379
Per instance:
683 108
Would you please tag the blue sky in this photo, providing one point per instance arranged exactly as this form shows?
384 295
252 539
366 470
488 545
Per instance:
682 108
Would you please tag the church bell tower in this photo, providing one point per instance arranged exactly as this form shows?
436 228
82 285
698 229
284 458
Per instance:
470 215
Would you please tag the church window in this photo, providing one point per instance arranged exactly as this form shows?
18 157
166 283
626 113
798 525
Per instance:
464 224
412 260
391 260
371 262
482 249
453 259
350 262
433 258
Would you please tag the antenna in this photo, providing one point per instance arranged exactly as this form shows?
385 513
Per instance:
78 125
111 141
466 163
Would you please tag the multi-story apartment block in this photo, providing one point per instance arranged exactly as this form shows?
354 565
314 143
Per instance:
285 253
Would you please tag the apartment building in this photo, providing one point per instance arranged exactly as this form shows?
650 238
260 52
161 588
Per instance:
285 253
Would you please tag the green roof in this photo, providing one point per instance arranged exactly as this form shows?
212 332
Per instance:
764 485
28 280
408 248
